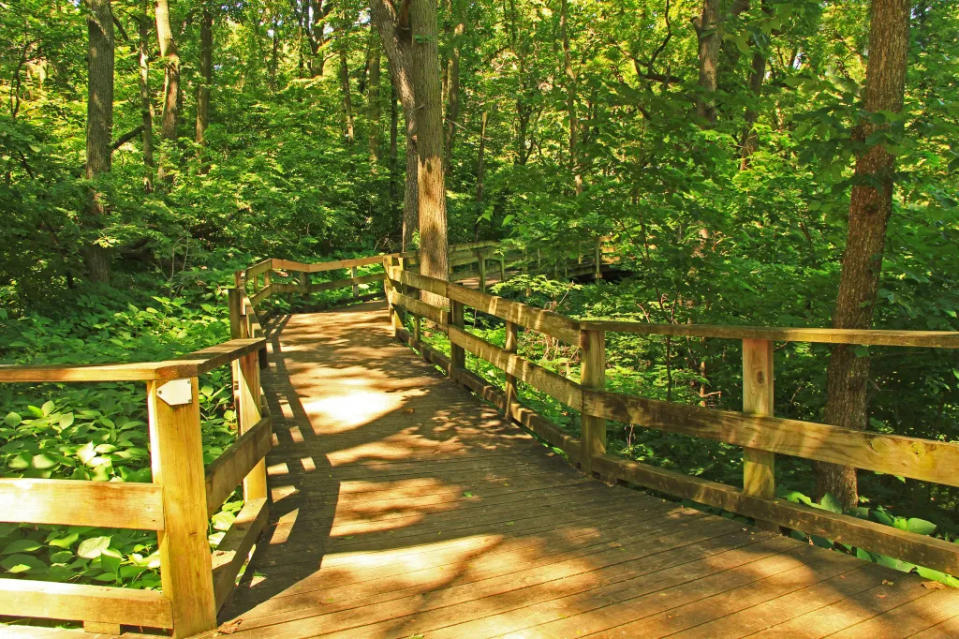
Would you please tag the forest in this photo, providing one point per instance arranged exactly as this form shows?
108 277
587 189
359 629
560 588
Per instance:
744 162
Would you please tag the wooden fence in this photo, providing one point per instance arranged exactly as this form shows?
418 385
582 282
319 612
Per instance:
761 435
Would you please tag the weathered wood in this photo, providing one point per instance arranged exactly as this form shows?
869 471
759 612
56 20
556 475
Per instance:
422 282
139 371
511 345
234 548
922 339
759 475
260 267
246 375
554 385
887 540
481 257
82 503
548 322
101 627
262 294
457 354
593 347
913 457
437 315
177 464
102 604
356 288
228 470
237 321
207 359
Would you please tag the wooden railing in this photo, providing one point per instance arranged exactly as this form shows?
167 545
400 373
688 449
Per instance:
177 504
761 435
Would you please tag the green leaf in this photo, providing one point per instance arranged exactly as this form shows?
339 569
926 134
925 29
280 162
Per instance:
12 419
895 564
47 408
93 547
21 545
830 503
63 542
42 462
16 564
920 526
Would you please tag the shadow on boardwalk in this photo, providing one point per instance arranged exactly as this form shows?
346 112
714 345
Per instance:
404 507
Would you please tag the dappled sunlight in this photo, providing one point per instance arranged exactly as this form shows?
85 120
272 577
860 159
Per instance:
350 409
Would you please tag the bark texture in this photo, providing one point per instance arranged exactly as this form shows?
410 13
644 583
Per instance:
570 75
146 100
99 128
869 210
451 87
707 26
396 36
431 180
373 110
171 76
206 72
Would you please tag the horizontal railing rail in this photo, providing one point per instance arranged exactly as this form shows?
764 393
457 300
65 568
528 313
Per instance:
760 434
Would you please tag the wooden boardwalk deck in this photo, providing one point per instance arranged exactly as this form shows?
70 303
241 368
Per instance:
405 508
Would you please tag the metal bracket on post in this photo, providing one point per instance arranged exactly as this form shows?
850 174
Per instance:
176 392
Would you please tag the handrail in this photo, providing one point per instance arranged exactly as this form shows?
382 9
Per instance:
175 504
761 434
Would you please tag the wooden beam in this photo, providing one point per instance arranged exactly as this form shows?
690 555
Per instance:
207 359
347 282
913 457
593 346
262 294
234 548
554 385
138 371
73 502
260 267
177 464
923 339
98 604
246 376
457 354
888 540
433 313
759 466
511 392
228 470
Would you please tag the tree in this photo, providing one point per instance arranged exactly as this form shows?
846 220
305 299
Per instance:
206 72
869 209
171 75
431 182
99 128
146 100
396 36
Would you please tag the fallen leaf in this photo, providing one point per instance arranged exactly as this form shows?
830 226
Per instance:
886 582
933 585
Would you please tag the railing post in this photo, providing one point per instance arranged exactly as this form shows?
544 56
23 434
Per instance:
759 476
512 343
481 256
267 278
304 283
177 461
356 287
246 376
238 325
502 268
593 345
389 263
457 354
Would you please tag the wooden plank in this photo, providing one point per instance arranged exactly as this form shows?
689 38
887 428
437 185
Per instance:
438 315
913 457
511 345
262 294
457 354
177 464
246 374
759 474
922 339
593 346
74 502
548 322
887 540
232 552
422 282
554 385
138 371
207 359
103 604
228 470
260 267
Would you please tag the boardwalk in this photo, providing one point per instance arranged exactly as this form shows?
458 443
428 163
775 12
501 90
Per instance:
405 508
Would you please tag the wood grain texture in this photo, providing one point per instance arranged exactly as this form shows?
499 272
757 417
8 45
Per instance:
225 473
913 457
82 503
759 470
104 604
232 551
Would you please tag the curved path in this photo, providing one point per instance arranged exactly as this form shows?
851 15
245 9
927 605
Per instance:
404 507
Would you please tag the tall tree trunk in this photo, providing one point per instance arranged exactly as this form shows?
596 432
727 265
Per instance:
171 77
750 141
396 36
429 141
869 209
374 136
99 128
570 75
206 72
707 26
451 88
394 152
146 100
348 134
